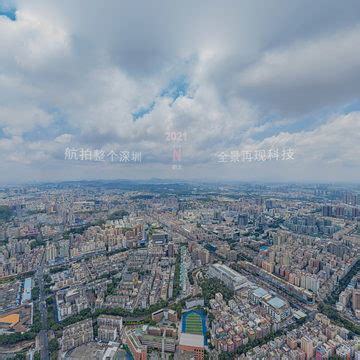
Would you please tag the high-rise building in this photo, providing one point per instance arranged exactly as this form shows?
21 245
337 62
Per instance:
51 252
171 249
307 346
243 219
268 204
327 210
356 299
77 334
351 199
64 248
339 211
204 256
110 327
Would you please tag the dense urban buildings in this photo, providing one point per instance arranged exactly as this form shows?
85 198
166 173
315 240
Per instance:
163 276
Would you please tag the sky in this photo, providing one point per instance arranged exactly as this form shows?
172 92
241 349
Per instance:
264 90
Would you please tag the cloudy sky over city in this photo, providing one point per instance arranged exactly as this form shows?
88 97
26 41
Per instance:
230 78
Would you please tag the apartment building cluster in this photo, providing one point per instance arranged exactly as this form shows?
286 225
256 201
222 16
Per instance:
70 301
18 256
252 314
310 263
147 278
317 339
349 211
109 327
200 256
78 273
77 334
349 299
311 225
108 237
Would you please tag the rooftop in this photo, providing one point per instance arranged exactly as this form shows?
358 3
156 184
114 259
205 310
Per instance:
260 292
277 302
10 319
191 340
229 272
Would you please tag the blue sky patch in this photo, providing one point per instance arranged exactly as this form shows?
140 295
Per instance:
305 123
60 125
352 107
138 114
176 88
8 11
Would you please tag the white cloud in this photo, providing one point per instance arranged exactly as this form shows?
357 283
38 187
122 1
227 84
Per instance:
78 70
308 74
19 120
333 143
31 42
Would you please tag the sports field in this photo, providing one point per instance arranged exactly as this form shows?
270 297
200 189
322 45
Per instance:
193 324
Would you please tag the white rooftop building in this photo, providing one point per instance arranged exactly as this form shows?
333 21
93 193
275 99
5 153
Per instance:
230 277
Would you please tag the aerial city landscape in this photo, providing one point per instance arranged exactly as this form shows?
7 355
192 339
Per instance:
136 270
179 180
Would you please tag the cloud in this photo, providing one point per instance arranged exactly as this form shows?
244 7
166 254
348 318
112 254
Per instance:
307 75
334 141
31 42
75 73
16 121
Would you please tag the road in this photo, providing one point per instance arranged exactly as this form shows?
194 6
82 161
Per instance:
43 335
